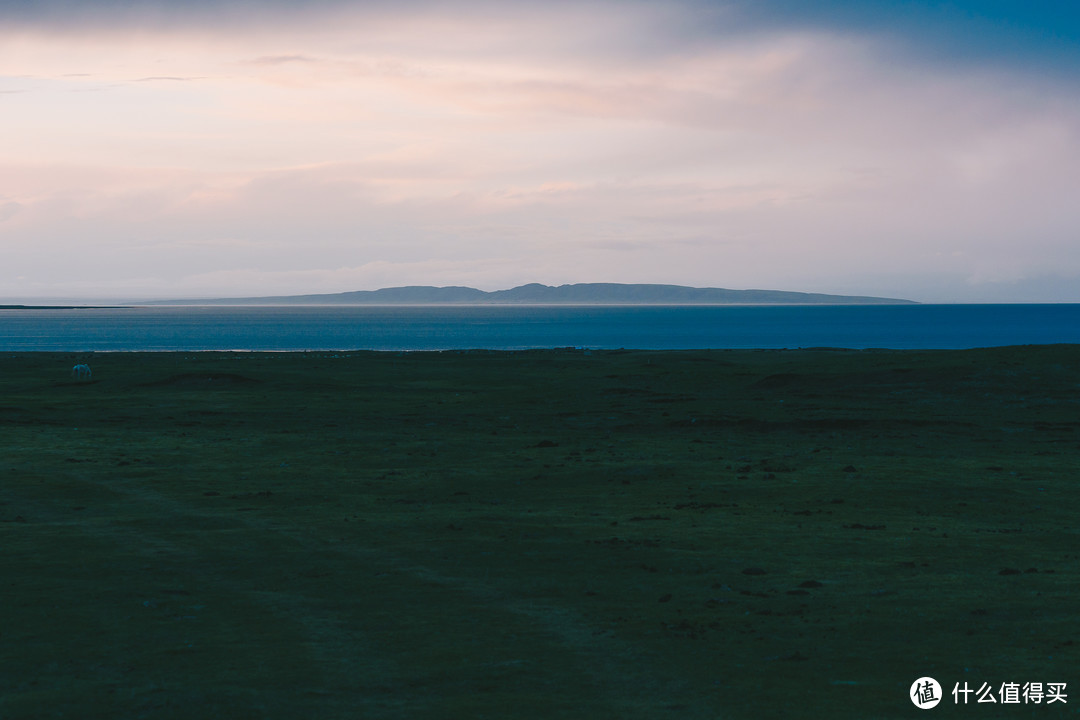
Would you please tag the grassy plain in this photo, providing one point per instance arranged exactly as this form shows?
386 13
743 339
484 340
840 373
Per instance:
549 534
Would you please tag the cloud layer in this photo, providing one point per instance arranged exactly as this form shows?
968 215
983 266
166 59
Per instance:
232 148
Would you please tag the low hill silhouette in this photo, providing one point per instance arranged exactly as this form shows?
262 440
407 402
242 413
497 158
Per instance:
537 294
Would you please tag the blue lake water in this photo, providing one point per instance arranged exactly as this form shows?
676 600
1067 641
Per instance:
522 327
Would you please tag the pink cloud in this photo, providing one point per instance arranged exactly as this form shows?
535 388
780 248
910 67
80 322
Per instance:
583 145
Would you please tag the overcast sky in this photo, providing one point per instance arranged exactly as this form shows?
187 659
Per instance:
914 149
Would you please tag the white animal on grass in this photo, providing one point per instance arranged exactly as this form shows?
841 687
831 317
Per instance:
81 372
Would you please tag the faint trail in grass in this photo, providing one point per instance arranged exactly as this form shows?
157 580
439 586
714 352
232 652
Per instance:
598 655
344 656
366 650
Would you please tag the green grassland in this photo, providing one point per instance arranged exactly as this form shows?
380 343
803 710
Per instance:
540 534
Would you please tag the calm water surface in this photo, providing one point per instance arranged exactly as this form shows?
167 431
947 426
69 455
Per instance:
522 327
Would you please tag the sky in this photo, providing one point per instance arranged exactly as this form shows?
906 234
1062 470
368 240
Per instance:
214 148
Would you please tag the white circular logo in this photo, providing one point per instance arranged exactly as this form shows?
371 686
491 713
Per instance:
925 693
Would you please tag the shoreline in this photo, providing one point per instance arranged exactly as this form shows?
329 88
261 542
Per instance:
587 351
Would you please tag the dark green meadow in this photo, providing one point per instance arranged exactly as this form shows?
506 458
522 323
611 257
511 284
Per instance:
548 534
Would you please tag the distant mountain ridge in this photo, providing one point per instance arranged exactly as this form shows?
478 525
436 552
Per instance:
537 294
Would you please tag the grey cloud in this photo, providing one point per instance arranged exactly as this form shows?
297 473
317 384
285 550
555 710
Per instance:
9 209
281 59
1046 35
1013 33
165 14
